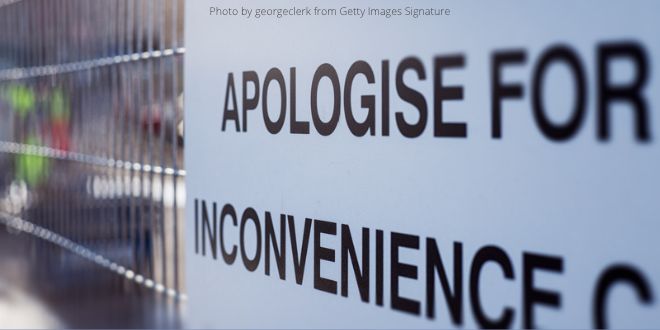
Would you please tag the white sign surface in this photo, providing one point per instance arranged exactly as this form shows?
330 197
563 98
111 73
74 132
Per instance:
378 164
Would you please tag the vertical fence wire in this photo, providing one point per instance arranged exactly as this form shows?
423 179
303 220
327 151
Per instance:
91 140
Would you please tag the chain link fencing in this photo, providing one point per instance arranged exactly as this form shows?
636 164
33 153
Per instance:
91 155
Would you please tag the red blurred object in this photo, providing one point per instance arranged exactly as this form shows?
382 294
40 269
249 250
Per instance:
60 135
153 123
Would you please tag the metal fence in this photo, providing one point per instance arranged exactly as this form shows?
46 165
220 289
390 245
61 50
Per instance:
91 147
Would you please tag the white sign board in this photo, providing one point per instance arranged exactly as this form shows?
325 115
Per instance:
383 164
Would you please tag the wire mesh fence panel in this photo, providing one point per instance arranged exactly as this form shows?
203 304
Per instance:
91 152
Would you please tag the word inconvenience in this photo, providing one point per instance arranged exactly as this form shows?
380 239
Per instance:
422 111
211 227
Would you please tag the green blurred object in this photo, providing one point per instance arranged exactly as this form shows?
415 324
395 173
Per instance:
59 105
32 169
20 98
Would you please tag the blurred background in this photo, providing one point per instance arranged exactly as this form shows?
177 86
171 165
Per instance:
91 163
